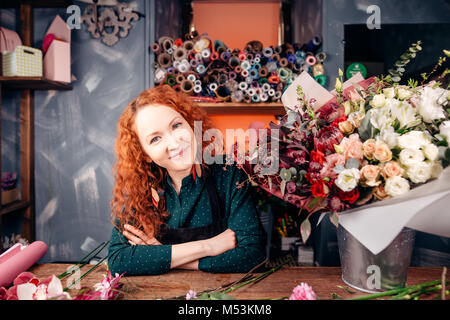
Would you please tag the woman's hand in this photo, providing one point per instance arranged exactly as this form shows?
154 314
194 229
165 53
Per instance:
221 243
138 237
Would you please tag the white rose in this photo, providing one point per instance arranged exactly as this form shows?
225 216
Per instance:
378 101
403 93
413 140
348 179
431 152
444 129
410 157
405 114
396 186
419 172
389 93
429 103
436 168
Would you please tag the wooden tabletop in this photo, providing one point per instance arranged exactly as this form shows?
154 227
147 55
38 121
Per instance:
324 280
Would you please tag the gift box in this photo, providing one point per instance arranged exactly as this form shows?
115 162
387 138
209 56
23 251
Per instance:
56 47
23 61
9 196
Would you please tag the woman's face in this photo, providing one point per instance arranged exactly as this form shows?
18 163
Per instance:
166 137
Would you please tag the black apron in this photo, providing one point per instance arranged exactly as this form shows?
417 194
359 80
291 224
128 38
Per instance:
185 234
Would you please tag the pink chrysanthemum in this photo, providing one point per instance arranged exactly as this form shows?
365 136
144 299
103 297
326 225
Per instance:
303 292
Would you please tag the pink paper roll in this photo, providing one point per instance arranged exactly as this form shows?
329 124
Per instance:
18 260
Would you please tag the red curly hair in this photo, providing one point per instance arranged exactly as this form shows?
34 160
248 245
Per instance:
134 174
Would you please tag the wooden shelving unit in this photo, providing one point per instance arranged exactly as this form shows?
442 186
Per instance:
249 108
27 86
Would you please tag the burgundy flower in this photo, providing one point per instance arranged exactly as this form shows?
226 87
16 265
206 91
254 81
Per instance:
298 156
315 166
291 187
336 204
326 138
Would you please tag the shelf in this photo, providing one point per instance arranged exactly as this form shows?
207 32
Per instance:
36 4
232 107
14 206
32 83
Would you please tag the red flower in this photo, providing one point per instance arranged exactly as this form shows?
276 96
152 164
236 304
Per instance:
336 121
350 196
317 156
320 188
326 138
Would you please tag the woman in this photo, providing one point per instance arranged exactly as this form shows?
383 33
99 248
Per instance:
168 210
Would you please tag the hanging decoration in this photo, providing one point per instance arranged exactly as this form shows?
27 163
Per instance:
106 24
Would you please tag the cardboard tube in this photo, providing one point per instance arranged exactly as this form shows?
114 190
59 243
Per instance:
156 48
188 45
283 62
167 44
180 54
180 78
164 60
263 72
187 87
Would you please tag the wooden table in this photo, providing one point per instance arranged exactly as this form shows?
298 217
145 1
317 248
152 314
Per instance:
323 280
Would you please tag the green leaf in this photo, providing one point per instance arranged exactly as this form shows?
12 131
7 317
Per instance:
334 218
352 163
366 128
314 203
305 230
283 187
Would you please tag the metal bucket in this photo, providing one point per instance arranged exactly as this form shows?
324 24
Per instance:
363 270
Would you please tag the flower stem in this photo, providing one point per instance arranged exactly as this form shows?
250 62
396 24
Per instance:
85 274
399 291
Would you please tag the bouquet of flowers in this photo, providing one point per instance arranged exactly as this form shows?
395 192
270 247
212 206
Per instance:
366 141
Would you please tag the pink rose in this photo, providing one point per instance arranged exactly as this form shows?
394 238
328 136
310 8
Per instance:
303 292
391 169
330 162
370 175
352 147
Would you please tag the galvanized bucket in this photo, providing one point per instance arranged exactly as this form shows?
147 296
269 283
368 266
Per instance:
363 270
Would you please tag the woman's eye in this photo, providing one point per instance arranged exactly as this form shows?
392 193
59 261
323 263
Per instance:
177 125
155 139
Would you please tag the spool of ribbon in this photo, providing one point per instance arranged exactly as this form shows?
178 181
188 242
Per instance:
188 45
234 61
263 72
242 56
214 56
171 80
178 42
225 56
283 62
180 78
268 52
321 79
245 65
222 93
314 44
237 96
232 75
180 54
192 77
167 44
318 69
311 60
164 60
197 89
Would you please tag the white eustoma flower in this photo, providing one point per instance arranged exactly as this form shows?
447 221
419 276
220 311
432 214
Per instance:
429 103
431 151
378 101
380 118
348 179
409 157
389 93
419 172
413 140
389 136
403 93
444 129
396 186
406 114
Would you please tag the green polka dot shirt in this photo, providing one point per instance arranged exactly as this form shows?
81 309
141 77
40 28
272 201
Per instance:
240 216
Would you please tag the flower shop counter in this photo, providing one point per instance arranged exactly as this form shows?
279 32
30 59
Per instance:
325 281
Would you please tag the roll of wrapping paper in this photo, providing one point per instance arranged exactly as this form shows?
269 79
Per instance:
284 74
180 78
164 60
247 98
268 52
188 45
271 92
237 96
321 56
318 69
222 93
156 48
283 62
264 97
18 259
244 73
206 55
263 72
311 60
321 79
198 82
201 44
218 44
177 88
242 56
274 79
232 75
180 54
245 65
171 80
276 57
243 85
222 79
197 89
255 98
292 58
278 50
225 56
238 69
167 44
265 87
187 87
178 42
194 63
213 86
200 69
160 75
214 56
314 44
234 61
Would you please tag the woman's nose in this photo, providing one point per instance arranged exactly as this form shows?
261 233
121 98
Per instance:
172 142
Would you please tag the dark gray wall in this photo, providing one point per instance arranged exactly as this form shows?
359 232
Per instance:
337 13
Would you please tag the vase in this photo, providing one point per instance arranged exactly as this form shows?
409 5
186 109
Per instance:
372 273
